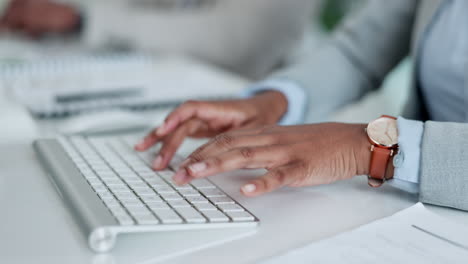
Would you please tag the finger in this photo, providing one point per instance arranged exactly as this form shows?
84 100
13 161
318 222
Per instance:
186 111
148 141
241 158
273 180
181 177
226 142
173 141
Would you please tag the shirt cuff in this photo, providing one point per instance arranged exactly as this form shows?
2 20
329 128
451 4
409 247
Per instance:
407 160
295 95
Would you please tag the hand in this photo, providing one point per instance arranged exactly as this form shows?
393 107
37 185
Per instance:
38 17
207 119
294 156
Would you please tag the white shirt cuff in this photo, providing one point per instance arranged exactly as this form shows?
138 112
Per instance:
407 161
295 95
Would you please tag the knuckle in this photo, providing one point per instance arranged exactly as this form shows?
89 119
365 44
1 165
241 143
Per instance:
196 157
224 141
216 162
199 150
279 176
247 152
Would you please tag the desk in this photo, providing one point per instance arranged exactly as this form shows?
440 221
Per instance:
36 227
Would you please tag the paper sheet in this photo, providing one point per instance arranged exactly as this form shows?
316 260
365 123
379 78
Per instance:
414 235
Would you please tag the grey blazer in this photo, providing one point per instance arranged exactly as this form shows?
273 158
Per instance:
357 59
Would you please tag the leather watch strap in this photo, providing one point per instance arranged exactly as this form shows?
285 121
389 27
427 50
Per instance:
378 166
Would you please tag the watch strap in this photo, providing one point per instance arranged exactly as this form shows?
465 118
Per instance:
378 166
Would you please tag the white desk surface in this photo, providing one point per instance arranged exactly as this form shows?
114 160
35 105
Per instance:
36 227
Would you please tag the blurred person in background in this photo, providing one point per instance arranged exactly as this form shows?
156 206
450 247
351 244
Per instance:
424 152
247 37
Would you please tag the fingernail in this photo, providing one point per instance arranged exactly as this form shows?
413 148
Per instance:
198 167
157 163
180 176
249 188
141 143
138 146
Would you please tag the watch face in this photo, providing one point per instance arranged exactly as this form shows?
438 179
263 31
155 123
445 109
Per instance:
383 132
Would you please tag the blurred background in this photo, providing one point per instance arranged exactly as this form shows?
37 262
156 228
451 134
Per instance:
55 54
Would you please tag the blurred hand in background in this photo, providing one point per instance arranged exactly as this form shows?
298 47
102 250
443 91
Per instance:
39 17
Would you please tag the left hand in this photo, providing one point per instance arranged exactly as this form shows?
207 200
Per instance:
294 156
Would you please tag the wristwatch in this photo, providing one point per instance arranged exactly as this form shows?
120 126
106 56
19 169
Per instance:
383 136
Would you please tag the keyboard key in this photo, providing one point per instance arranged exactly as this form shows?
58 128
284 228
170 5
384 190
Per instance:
122 189
212 193
136 212
126 196
189 193
143 170
166 174
151 199
181 187
231 208
114 182
167 189
179 203
240 216
205 207
216 216
142 187
160 205
156 182
168 216
136 185
125 220
136 207
105 195
221 200
197 199
191 215
147 220
95 182
203 184
118 211
171 196
112 203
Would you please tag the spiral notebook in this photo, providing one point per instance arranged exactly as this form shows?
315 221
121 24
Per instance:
65 86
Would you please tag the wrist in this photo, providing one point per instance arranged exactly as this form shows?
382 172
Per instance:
271 105
364 153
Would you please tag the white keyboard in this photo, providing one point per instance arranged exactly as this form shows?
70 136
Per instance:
137 195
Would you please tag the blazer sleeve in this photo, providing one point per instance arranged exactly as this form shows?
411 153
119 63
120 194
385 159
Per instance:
356 58
444 165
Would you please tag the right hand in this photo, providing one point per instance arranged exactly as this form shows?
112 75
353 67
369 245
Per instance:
209 118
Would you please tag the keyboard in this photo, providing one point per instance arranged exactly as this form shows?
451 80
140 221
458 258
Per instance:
70 85
112 190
